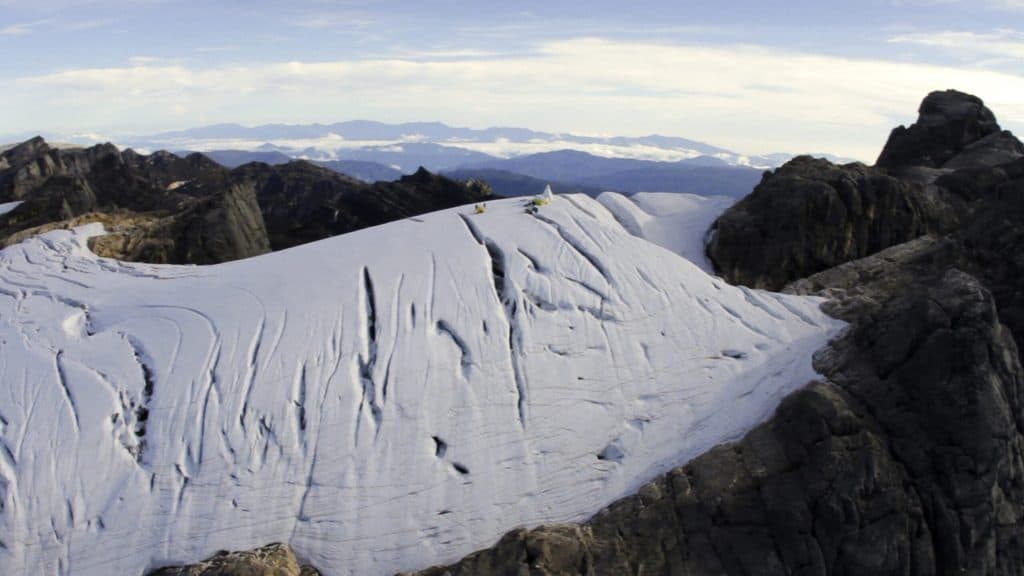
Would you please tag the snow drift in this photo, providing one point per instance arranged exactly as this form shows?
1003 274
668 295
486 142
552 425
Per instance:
390 399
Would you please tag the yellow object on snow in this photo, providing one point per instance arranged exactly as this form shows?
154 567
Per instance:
545 198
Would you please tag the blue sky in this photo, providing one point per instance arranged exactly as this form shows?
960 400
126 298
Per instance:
752 76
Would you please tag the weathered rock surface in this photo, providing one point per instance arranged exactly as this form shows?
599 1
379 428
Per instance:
939 176
993 241
949 123
191 211
811 215
32 162
302 202
271 560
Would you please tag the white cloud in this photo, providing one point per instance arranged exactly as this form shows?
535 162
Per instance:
1004 45
84 25
334 19
1010 5
22 28
752 99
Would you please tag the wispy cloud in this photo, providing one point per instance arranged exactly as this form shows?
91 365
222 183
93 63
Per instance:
1002 44
216 49
751 98
22 28
1010 4
336 19
87 24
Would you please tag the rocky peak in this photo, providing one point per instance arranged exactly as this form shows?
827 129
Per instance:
949 122
421 174
25 166
27 150
937 176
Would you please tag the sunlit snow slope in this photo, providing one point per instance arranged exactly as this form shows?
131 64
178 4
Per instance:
678 222
389 399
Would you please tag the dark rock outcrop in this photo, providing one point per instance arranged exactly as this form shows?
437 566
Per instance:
202 220
993 241
302 202
29 164
948 124
811 215
163 208
271 560
936 176
219 228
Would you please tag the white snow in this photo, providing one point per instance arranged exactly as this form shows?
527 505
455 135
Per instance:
678 222
547 195
385 400
9 206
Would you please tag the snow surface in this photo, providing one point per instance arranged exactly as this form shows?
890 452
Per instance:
678 222
385 400
9 206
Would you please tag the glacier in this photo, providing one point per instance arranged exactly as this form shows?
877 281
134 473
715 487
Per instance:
384 400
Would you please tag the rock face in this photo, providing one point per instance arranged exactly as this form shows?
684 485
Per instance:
949 123
169 209
302 202
994 239
32 162
272 560
811 215
200 221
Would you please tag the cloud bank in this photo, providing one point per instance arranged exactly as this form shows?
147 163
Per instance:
750 98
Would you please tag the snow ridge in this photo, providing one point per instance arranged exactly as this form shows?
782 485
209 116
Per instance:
385 400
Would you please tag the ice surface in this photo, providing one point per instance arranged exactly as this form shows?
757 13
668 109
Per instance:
9 206
678 222
385 400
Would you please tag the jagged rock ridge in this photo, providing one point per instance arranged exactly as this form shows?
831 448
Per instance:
162 208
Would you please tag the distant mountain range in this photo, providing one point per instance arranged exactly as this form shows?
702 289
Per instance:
435 132
514 161
505 183
567 171
571 170
367 140
358 169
